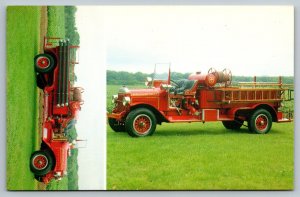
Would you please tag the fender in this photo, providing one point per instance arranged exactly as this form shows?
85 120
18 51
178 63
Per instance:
160 116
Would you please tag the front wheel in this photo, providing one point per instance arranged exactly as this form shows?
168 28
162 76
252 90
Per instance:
44 63
260 121
41 162
140 122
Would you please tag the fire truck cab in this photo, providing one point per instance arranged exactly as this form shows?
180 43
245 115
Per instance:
203 97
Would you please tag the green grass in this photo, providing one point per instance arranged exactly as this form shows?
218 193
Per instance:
21 94
56 21
196 156
58 185
23 41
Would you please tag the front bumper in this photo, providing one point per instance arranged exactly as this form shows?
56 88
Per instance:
117 116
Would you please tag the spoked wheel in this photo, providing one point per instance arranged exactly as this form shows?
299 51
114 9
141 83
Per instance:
140 122
44 63
260 121
117 126
41 162
212 71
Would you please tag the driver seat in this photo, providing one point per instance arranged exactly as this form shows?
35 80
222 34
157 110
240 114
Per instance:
183 85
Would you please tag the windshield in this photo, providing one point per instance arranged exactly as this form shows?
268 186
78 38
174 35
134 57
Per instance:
161 71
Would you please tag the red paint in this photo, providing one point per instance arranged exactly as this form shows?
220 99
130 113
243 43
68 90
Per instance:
56 118
209 99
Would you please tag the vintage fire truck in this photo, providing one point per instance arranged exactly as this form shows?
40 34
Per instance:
203 97
62 102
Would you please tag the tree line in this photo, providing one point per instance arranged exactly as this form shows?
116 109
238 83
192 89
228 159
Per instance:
71 32
127 78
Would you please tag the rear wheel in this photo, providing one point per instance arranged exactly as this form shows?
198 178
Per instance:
117 126
44 63
140 122
41 162
260 121
234 125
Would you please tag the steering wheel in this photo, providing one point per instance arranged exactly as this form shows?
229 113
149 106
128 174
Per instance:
173 83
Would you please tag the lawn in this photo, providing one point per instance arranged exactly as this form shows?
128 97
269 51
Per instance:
23 43
23 40
56 21
196 156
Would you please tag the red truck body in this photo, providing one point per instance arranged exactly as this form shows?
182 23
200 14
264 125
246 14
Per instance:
62 102
200 98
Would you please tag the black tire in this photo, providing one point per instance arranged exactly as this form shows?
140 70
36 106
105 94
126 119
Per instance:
116 126
260 121
41 81
234 125
140 122
41 162
44 63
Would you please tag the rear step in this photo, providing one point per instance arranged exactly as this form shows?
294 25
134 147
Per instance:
286 116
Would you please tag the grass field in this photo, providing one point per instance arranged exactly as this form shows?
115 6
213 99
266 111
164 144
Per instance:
23 39
196 156
23 43
56 21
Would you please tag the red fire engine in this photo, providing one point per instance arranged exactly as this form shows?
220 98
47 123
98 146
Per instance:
200 98
62 102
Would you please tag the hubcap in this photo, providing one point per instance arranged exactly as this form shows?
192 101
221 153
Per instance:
43 62
261 122
142 124
40 162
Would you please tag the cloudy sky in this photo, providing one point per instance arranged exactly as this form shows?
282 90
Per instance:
249 40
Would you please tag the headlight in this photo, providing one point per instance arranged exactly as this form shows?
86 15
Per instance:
126 100
114 98
123 89
57 174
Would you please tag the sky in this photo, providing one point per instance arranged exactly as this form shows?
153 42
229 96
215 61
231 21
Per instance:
91 125
248 40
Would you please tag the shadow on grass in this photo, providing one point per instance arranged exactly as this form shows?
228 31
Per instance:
169 132
198 132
